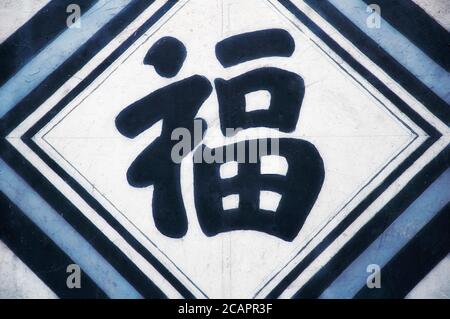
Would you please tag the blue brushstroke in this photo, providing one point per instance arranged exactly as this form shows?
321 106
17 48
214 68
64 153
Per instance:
399 47
64 235
397 235
53 55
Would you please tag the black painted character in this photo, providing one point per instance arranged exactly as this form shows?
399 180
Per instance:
178 103
286 88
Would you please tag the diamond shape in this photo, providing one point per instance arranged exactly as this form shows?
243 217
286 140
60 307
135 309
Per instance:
360 135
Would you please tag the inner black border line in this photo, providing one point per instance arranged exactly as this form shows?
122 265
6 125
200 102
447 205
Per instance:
365 88
36 128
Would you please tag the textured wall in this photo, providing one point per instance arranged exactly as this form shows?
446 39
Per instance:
365 96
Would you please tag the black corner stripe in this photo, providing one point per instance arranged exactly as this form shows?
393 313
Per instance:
40 254
421 29
34 35
358 67
381 58
414 261
74 63
111 220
